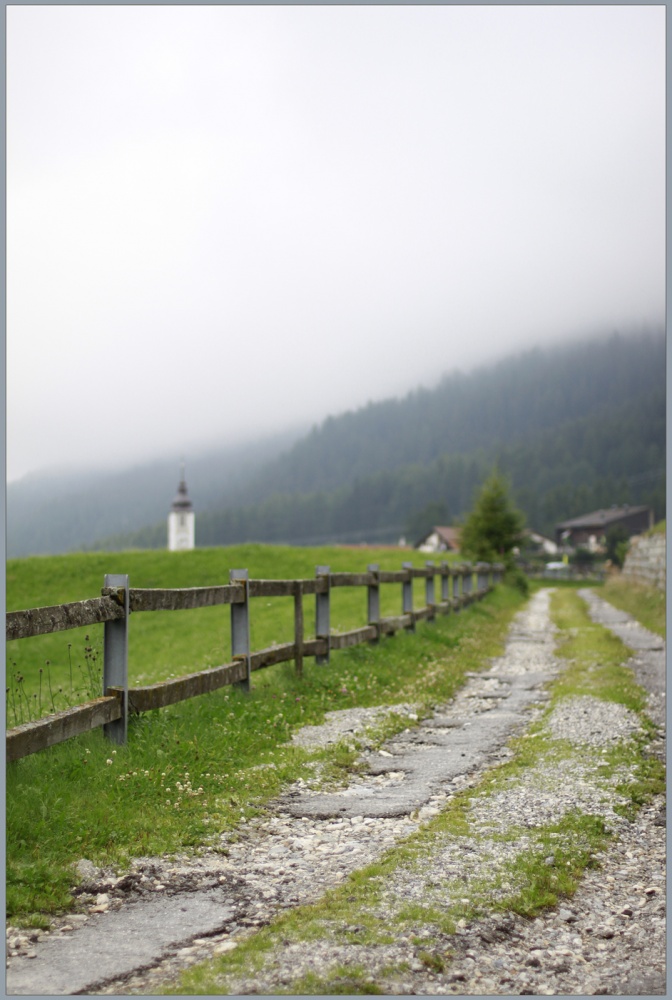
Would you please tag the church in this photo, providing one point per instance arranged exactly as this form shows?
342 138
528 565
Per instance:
181 520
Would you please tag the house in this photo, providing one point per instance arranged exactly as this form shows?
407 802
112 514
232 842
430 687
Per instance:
532 540
439 540
589 530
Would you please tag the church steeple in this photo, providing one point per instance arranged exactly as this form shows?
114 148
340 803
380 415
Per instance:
181 519
182 501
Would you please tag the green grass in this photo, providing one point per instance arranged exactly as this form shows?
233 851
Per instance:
64 668
86 798
595 667
596 657
646 604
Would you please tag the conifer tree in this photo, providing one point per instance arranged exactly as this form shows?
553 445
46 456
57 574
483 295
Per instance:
494 526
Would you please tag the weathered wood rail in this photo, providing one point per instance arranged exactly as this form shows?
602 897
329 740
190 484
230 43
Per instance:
118 601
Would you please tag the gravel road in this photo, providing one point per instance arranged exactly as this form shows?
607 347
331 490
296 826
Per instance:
142 929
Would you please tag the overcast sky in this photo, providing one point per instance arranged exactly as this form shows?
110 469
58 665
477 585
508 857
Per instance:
227 220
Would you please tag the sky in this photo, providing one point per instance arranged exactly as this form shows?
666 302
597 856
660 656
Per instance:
224 221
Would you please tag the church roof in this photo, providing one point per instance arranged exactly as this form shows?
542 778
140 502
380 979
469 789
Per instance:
182 502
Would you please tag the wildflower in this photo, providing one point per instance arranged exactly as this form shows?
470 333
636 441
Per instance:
114 753
108 761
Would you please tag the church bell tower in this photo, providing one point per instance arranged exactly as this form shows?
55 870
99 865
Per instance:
181 520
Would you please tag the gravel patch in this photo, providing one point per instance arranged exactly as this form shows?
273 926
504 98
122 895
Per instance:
349 722
595 723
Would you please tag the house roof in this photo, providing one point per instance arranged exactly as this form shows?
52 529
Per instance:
449 535
601 518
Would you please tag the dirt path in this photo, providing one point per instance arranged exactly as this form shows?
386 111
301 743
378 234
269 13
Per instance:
168 915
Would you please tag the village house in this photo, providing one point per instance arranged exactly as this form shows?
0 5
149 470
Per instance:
439 540
533 540
589 530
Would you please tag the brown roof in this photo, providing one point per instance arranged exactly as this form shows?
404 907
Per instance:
601 518
450 535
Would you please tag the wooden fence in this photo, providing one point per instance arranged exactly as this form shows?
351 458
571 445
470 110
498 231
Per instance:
118 601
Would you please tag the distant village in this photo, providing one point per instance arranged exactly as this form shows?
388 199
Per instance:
587 533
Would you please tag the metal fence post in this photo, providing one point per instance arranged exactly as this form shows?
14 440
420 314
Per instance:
373 600
467 582
298 627
115 660
445 577
240 625
322 614
407 594
430 599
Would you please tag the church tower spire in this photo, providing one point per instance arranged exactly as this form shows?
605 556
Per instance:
181 519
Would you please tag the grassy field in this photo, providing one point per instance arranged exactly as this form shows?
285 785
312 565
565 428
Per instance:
48 673
204 765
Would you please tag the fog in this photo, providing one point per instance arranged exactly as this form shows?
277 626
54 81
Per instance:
224 221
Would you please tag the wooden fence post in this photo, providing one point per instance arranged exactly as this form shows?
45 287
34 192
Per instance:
115 660
373 600
407 595
298 627
240 625
322 614
456 588
430 599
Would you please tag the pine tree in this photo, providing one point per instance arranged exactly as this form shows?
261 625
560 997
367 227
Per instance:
494 526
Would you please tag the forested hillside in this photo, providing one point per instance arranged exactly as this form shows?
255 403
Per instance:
494 405
62 511
574 428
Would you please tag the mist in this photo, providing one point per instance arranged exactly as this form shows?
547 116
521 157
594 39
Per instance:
229 221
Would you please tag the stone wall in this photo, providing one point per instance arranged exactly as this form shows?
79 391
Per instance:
645 561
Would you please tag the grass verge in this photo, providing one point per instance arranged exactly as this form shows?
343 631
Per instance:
646 604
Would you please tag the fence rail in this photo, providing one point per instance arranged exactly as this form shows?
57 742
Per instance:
118 601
